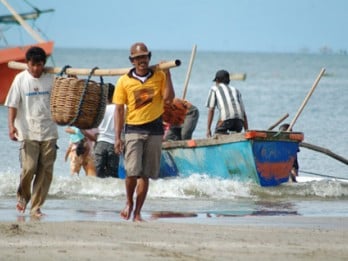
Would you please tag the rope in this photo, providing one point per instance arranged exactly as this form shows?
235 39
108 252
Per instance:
32 6
96 119
322 175
63 71
82 97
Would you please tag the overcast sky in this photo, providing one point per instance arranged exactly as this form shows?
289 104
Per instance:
218 25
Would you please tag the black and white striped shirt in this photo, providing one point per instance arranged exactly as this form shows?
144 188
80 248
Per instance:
228 100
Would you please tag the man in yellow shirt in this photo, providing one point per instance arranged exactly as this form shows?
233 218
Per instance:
144 93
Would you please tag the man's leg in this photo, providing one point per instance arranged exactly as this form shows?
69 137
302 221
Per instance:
29 153
43 178
131 183
190 123
142 188
112 162
100 159
134 144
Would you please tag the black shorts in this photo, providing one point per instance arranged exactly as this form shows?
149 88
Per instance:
229 125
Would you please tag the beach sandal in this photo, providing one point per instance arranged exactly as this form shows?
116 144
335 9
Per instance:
21 205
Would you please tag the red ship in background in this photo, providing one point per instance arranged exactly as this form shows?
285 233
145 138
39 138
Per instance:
17 53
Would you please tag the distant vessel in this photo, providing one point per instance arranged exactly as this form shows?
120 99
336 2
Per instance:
17 53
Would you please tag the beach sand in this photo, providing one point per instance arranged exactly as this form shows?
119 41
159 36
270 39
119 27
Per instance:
248 238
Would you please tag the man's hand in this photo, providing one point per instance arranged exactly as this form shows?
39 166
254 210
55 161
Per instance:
13 133
118 146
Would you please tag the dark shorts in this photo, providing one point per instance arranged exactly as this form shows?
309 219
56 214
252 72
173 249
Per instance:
223 127
106 160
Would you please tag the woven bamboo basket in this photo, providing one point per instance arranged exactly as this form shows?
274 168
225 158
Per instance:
77 102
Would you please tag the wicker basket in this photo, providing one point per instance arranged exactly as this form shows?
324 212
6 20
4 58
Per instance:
77 102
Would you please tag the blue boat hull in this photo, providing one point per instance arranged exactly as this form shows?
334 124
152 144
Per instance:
263 157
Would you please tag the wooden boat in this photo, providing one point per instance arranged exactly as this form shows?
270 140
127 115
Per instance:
263 157
17 53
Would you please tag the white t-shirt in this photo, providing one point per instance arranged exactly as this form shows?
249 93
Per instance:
31 97
106 127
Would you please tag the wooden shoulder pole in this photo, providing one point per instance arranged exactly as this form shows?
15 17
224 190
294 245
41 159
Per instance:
97 72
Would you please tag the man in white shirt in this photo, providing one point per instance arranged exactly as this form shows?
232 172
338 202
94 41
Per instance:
29 121
106 160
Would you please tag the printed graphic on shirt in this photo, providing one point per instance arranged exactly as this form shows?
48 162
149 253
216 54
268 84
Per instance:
143 97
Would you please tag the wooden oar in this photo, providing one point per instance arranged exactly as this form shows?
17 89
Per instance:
278 121
188 74
97 72
238 76
306 99
324 150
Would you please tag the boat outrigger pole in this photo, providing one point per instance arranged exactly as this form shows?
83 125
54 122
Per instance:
23 23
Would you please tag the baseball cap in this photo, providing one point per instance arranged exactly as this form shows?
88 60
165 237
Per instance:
222 76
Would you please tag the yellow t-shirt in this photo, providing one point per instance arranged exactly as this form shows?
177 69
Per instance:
144 100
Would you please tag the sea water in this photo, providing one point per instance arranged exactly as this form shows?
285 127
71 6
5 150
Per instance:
276 84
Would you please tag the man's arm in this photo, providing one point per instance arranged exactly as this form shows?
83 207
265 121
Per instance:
119 122
12 130
246 125
169 92
210 120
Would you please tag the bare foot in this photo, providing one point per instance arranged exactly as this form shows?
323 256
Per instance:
126 212
37 214
21 205
138 218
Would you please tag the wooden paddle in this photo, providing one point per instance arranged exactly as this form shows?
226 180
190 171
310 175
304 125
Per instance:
306 99
238 76
325 151
97 72
278 121
188 74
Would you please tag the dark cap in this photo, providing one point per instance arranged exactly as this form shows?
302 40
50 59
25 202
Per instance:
222 76
138 49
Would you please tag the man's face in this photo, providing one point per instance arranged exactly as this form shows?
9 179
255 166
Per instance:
36 68
141 62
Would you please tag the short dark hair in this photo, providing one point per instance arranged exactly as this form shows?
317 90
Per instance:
111 89
36 54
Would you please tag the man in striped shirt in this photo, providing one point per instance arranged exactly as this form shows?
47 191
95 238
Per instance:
229 102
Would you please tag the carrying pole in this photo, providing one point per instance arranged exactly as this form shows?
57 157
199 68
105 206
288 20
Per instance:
97 72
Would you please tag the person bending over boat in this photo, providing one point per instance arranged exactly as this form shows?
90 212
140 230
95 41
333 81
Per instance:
229 102
30 122
181 119
144 92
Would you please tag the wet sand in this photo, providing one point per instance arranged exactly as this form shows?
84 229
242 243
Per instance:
244 238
